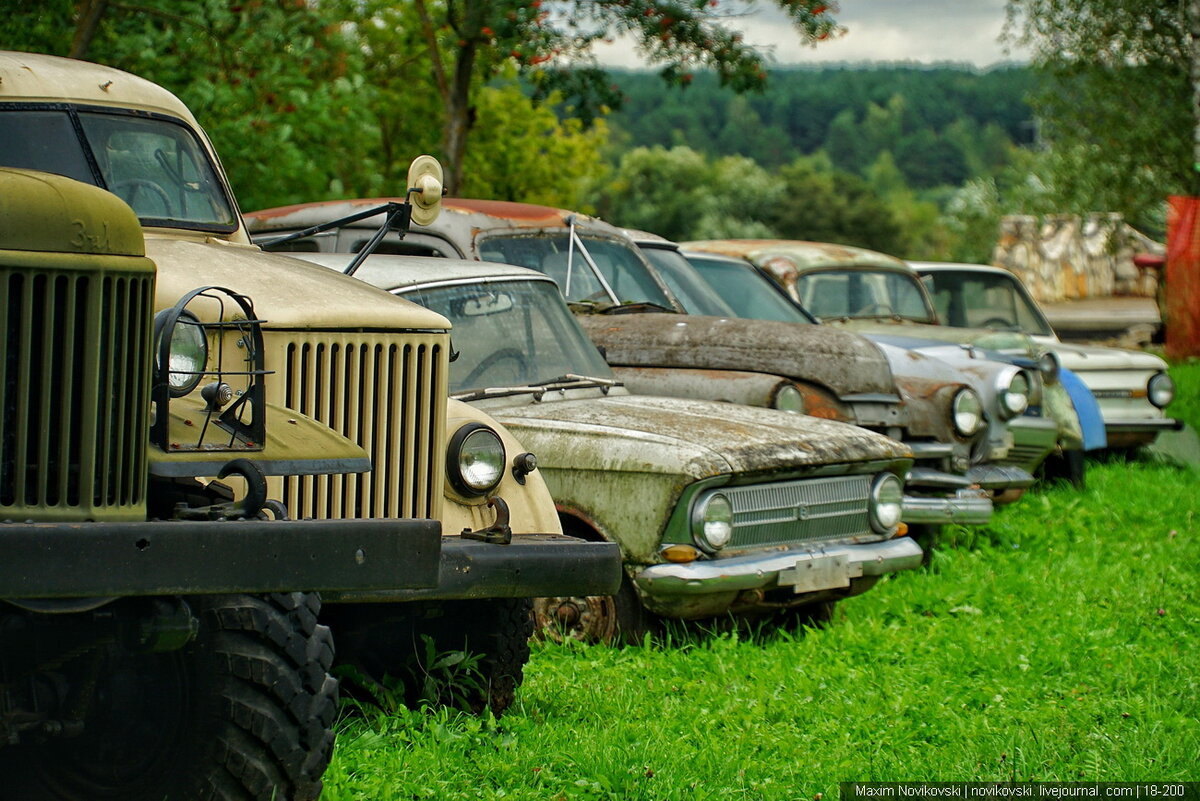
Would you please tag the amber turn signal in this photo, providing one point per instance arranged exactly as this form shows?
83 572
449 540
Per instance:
680 553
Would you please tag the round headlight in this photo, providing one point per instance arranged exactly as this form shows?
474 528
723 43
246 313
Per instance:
712 522
1160 390
887 503
968 412
475 460
188 355
1013 393
1048 365
789 399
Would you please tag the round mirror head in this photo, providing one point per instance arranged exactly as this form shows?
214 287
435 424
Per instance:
425 189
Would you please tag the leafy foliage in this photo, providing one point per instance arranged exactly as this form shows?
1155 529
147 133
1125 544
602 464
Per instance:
1116 101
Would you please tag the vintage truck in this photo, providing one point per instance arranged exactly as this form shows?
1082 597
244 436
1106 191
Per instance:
717 508
157 642
881 297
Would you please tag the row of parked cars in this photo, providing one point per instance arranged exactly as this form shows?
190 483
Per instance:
504 414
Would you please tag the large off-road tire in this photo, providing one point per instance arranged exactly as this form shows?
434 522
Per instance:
243 712
378 641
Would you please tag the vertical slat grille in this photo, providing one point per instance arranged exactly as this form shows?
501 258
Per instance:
798 511
73 392
385 392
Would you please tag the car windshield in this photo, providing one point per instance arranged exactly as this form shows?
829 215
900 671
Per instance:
968 299
156 165
863 293
696 295
620 265
511 334
749 292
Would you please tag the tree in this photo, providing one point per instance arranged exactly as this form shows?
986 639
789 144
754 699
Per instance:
1117 105
470 41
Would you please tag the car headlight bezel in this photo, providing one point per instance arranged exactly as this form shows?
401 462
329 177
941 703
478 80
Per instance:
886 505
788 399
1010 400
475 445
961 412
712 522
1160 385
1049 365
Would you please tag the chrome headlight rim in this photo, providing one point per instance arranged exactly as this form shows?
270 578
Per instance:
961 413
886 503
1049 365
1160 382
474 440
1009 402
184 370
788 399
713 508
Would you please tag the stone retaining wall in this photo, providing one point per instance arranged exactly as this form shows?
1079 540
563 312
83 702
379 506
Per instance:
1066 257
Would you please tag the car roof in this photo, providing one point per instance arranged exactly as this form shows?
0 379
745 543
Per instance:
947 266
392 272
801 254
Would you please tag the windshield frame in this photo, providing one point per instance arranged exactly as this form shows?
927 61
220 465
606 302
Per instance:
1007 280
756 279
688 288
74 112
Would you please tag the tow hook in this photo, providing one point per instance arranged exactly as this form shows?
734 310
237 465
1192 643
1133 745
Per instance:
499 532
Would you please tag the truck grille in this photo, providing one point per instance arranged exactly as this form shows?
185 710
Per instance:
74 393
797 511
383 391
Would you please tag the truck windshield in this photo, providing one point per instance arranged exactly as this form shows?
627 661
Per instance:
511 334
621 267
751 294
859 293
970 299
156 165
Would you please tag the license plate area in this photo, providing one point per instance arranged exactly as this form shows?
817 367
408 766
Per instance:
821 572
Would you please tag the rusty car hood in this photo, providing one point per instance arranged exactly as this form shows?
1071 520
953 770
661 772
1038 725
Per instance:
672 435
846 363
287 292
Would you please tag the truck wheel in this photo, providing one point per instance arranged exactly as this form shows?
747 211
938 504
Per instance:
379 641
242 713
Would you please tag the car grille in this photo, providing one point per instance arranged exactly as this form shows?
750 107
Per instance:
1026 456
385 392
74 393
799 511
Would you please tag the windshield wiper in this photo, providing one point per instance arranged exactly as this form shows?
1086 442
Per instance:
637 307
540 388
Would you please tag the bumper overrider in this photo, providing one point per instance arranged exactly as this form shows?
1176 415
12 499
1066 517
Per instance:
809 568
968 507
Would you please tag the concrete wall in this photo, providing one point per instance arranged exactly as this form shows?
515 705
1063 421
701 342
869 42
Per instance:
1066 257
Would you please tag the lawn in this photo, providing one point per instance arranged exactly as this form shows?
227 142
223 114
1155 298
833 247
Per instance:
1060 643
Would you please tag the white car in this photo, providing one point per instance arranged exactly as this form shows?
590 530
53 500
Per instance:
1132 387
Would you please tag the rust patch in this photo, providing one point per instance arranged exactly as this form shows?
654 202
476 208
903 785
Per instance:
508 210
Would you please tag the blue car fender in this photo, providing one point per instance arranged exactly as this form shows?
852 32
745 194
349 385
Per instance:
1087 408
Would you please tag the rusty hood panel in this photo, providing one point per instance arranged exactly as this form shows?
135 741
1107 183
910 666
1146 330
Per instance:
846 363
287 292
673 435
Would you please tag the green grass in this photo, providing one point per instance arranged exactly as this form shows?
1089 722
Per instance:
1061 643
1186 407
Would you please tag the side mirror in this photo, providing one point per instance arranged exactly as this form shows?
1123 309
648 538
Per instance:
425 189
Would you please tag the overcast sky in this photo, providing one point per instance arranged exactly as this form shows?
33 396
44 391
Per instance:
925 31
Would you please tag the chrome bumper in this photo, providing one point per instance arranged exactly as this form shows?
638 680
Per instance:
966 507
1135 425
805 569
1000 477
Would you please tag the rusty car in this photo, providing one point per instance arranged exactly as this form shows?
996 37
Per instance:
1132 387
881 297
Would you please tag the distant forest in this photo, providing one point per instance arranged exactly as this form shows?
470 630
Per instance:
941 125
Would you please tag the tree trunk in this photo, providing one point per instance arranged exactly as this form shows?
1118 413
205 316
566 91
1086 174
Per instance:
90 12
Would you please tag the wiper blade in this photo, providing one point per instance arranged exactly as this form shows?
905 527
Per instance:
638 307
539 388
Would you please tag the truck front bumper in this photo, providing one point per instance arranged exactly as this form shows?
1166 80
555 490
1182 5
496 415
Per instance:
806 569
108 559
531 566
